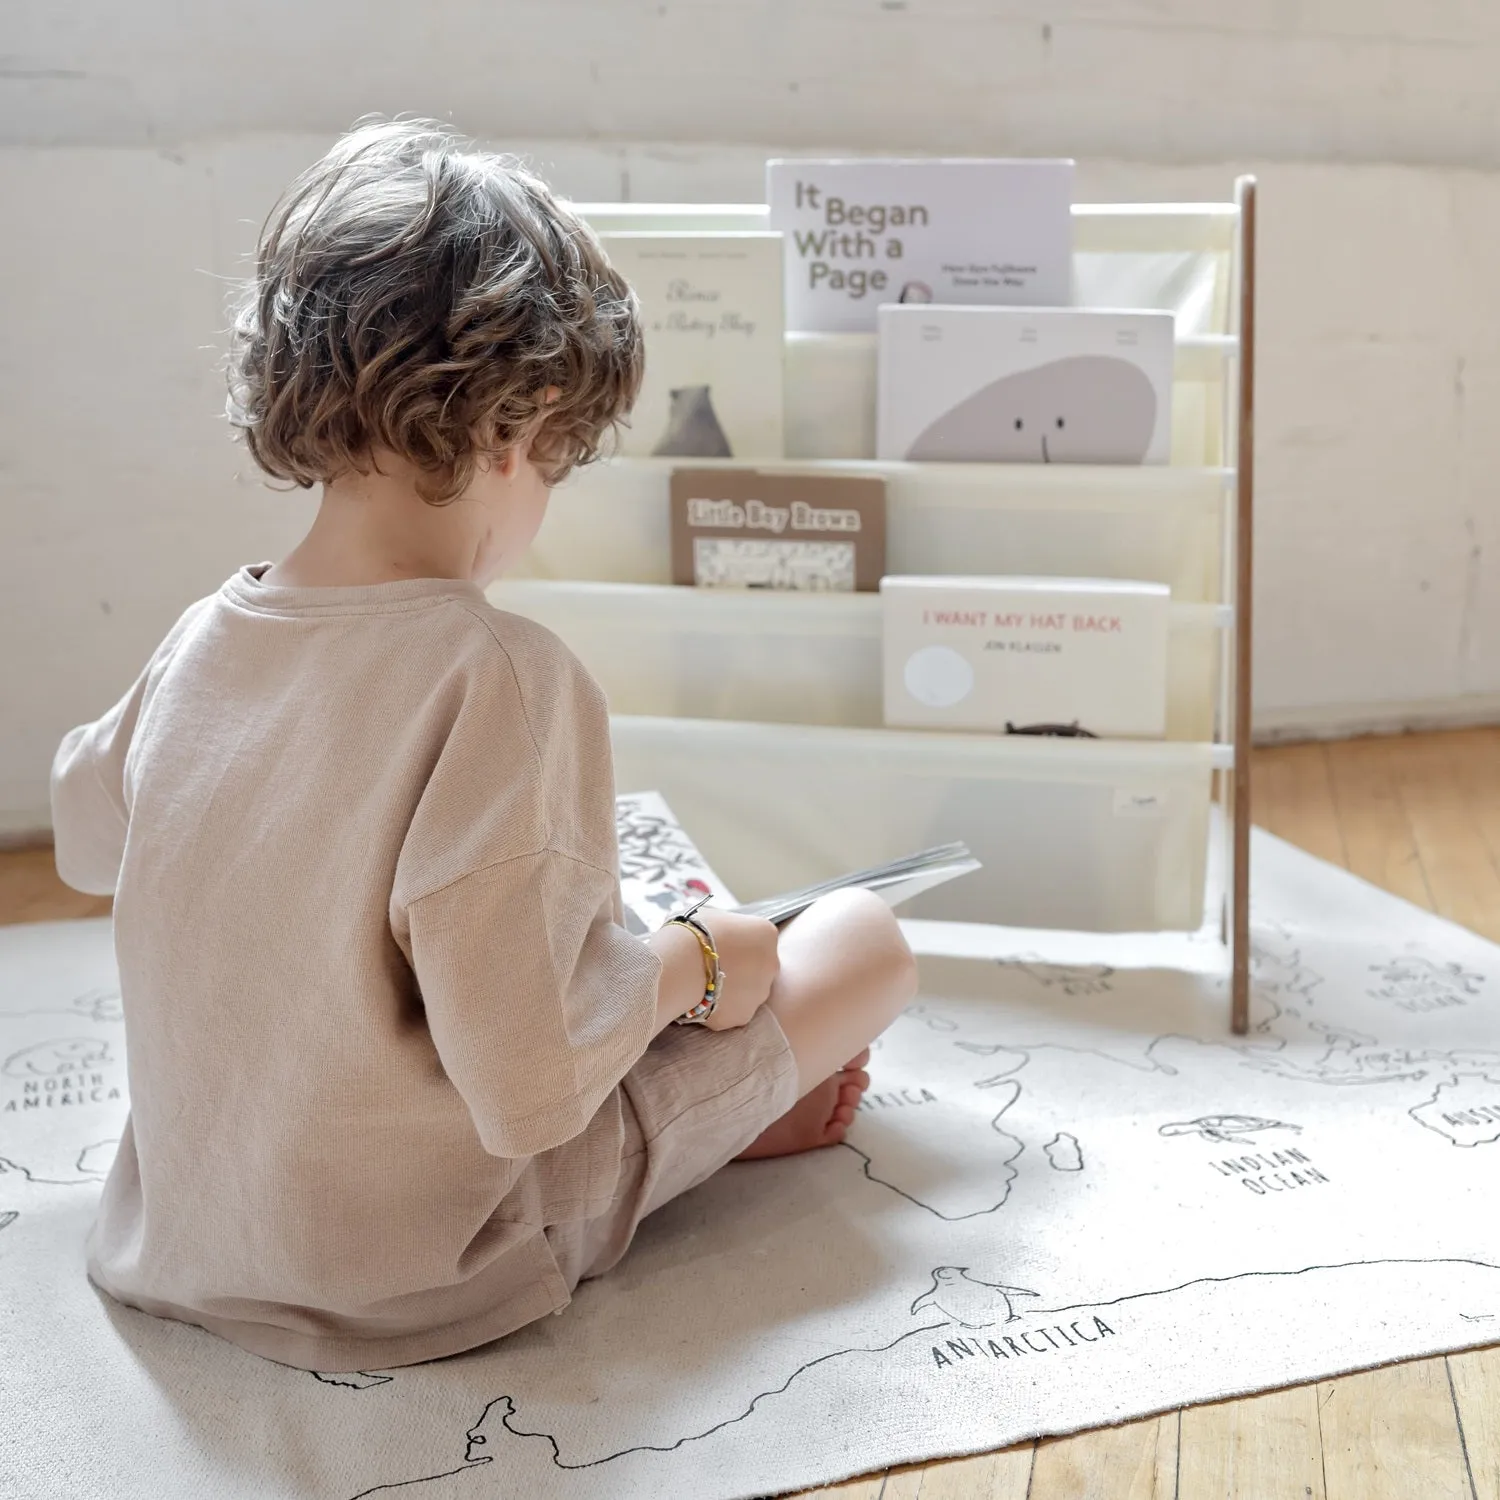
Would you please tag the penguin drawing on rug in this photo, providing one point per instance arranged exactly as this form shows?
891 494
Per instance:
968 1301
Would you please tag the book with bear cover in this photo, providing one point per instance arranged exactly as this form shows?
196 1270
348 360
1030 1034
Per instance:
1024 385
748 528
662 871
863 232
711 310
1072 655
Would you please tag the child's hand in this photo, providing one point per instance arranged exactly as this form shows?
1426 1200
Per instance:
748 957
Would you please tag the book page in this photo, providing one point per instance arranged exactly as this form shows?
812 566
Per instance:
661 870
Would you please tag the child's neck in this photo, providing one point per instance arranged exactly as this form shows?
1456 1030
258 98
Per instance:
376 528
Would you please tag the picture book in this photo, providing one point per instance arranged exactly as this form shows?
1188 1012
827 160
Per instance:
748 528
1024 385
1026 655
711 308
662 872
860 233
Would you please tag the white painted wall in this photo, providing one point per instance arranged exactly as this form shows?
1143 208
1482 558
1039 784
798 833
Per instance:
137 154
1407 81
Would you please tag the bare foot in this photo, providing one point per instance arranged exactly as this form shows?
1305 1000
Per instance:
817 1119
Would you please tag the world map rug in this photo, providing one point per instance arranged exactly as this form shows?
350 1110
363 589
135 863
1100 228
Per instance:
1071 1198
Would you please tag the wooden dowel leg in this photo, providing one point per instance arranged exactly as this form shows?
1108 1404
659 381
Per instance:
1244 576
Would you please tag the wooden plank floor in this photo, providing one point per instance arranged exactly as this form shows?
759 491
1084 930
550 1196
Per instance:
1420 816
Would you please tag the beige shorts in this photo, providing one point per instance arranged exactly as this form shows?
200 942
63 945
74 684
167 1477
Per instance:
692 1103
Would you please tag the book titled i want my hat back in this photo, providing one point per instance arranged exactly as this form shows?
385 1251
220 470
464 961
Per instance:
1027 653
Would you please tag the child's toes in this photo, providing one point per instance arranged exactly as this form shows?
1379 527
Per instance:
851 1093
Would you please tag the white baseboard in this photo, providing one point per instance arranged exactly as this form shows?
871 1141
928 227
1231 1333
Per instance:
1340 721
25 828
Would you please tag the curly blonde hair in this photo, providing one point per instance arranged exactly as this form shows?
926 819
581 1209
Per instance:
415 295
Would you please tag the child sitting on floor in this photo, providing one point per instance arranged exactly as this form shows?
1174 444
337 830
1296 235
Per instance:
400 1078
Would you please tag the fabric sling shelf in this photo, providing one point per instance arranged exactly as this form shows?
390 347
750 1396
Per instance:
785 658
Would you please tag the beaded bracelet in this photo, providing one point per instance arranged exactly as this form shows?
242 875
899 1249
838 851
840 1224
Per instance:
713 974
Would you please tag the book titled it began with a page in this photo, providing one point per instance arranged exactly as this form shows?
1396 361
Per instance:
860 233
711 309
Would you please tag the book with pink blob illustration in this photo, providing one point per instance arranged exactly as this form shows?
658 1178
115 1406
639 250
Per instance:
1024 385
662 871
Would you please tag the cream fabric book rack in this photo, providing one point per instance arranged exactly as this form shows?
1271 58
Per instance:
758 715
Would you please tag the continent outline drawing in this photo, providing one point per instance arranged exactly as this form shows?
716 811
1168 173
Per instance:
1006 1166
69 1055
88 1175
1486 1115
354 1380
102 1003
594 1463
1063 1152
1038 1314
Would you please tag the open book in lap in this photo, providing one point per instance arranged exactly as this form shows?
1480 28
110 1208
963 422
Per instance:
662 871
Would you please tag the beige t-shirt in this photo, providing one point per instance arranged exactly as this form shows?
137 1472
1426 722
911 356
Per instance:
377 998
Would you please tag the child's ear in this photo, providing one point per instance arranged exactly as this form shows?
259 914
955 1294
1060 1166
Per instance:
520 450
